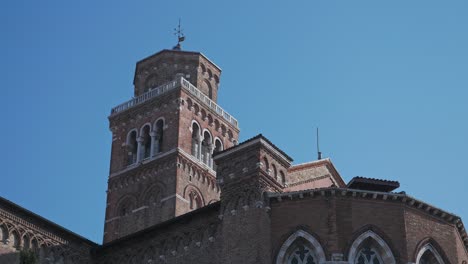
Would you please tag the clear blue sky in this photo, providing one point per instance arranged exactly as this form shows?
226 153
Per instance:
386 82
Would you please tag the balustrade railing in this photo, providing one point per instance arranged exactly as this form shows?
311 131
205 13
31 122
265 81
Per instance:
155 92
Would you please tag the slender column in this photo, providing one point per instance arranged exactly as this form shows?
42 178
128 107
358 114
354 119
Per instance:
140 149
154 144
210 155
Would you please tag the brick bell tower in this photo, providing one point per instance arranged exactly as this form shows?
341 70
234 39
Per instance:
163 141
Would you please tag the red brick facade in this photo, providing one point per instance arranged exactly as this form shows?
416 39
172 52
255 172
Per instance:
182 190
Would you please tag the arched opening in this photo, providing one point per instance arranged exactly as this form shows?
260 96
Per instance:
146 142
217 148
3 234
275 172
195 140
132 147
152 196
26 242
207 148
158 137
283 177
301 248
429 255
15 240
369 248
125 207
207 89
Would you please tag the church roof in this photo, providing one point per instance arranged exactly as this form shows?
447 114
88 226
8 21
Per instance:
372 184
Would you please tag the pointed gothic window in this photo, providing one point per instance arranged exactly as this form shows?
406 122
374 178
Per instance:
429 255
368 255
370 248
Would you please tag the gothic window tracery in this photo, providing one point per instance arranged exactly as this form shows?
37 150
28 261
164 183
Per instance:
368 255
370 248
301 254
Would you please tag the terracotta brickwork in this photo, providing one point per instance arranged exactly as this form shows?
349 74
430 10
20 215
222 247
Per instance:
21 229
156 172
182 190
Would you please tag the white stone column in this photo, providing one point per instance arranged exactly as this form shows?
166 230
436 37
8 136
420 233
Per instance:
210 155
140 149
154 144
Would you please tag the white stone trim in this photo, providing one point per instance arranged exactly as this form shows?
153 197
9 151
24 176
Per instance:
429 247
175 196
316 247
139 209
388 257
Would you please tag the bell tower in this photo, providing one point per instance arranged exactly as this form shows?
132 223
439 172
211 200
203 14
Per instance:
163 140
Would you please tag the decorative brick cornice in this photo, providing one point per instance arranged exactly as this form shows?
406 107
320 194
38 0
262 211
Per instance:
407 200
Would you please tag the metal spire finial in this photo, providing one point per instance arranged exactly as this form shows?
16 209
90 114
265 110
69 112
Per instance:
179 32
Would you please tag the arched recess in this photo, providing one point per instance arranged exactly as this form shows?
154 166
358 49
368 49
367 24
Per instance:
152 195
218 147
193 195
125 205
301 248
370 248
428 254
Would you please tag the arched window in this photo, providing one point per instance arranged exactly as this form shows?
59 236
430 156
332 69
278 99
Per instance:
146 142
369 248
195 140
301 248
217 148
429 255
132 147
207 148
159 135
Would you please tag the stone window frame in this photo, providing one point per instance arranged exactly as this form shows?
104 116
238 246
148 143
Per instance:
387 256
316 247
431 248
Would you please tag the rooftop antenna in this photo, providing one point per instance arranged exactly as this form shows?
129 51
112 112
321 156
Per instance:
319 154
179 32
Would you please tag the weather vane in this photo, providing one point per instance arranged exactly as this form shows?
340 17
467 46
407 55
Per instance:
178 31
